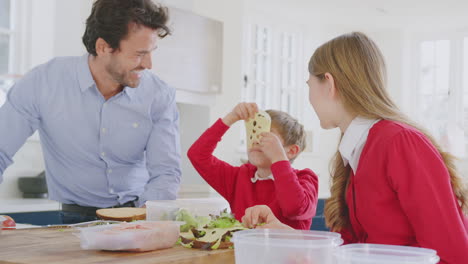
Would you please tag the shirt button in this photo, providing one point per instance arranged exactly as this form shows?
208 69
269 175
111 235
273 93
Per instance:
104 130
103 154
109 171
111 190
135 125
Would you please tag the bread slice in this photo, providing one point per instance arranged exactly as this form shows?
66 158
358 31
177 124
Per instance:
122 214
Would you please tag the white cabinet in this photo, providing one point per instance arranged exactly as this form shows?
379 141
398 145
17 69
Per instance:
190 59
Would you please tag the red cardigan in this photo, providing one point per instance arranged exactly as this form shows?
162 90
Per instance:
292 196
401 195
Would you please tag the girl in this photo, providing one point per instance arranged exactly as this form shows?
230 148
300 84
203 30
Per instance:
391 182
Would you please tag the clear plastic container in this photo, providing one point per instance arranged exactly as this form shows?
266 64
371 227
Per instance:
285 246
163 210
384 254
137 236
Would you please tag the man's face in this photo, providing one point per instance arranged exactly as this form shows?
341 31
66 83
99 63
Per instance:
133 56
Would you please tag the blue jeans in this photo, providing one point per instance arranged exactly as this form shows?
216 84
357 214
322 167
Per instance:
74 218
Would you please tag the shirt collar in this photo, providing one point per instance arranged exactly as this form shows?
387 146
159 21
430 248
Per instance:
86 79
130 92
256 178
84 73
354 139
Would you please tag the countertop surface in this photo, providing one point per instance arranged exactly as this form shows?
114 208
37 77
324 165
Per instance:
45 245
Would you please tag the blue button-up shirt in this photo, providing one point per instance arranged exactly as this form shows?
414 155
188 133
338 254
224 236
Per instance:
97 153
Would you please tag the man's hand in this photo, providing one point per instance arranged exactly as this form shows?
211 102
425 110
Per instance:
272 147
261 216
7 221
242 111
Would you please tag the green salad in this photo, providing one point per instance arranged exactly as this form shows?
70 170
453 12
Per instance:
207 232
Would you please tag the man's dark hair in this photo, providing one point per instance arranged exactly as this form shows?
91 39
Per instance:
109 20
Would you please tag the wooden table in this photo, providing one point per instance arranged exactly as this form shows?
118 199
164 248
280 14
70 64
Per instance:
44 245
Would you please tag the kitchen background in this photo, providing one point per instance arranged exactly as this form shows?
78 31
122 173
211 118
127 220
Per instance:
226 51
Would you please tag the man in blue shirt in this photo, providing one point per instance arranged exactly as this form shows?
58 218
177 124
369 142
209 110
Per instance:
108 126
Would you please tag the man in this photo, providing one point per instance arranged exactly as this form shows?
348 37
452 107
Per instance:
108 126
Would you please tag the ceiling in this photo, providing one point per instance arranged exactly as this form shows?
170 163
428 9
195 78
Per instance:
373 13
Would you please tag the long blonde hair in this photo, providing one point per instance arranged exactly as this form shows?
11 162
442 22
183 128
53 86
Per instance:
359 72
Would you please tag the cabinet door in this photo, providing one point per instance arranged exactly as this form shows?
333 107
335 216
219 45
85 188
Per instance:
190 59
37 218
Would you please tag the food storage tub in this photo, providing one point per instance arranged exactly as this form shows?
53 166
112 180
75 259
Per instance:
285 246
135 236
167 209
384 254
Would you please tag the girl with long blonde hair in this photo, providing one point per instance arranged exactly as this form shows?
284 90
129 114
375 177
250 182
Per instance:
391 183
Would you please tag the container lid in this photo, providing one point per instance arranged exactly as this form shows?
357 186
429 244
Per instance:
201 206
375 253
189 202
288 238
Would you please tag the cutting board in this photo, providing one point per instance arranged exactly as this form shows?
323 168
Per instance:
27 246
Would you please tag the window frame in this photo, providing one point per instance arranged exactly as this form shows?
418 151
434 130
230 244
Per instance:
19 33
10 34
456 78
275 90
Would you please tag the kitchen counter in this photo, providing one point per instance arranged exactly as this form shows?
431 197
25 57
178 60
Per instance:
61 246
27 205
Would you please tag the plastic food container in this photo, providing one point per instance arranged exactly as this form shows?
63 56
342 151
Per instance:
285 246
136 236
167 209
384 254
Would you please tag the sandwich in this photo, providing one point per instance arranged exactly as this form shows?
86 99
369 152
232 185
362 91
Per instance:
213 232
126 214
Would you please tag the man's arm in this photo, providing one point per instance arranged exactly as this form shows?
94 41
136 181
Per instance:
19 117
163 153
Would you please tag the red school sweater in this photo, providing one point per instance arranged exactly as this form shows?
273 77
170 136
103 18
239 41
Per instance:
401 195
292 196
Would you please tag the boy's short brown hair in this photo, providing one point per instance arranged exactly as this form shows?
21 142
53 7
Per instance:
289 128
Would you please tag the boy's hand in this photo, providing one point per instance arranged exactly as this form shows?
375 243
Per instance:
272 147
242 111
261 216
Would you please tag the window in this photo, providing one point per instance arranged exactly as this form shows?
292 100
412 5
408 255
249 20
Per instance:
5 36
442 94
434 85
259 80
5 46
274 70
465 88
289 84
14 20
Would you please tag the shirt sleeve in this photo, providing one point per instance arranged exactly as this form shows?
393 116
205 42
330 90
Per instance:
219 174
297 193
19 117
163 152
422 182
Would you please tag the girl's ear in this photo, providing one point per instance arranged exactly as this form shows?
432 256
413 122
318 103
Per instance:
292 151
332 91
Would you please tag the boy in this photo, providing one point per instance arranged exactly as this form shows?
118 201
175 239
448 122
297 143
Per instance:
268 177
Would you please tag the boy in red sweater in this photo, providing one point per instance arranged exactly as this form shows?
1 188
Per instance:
268 178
